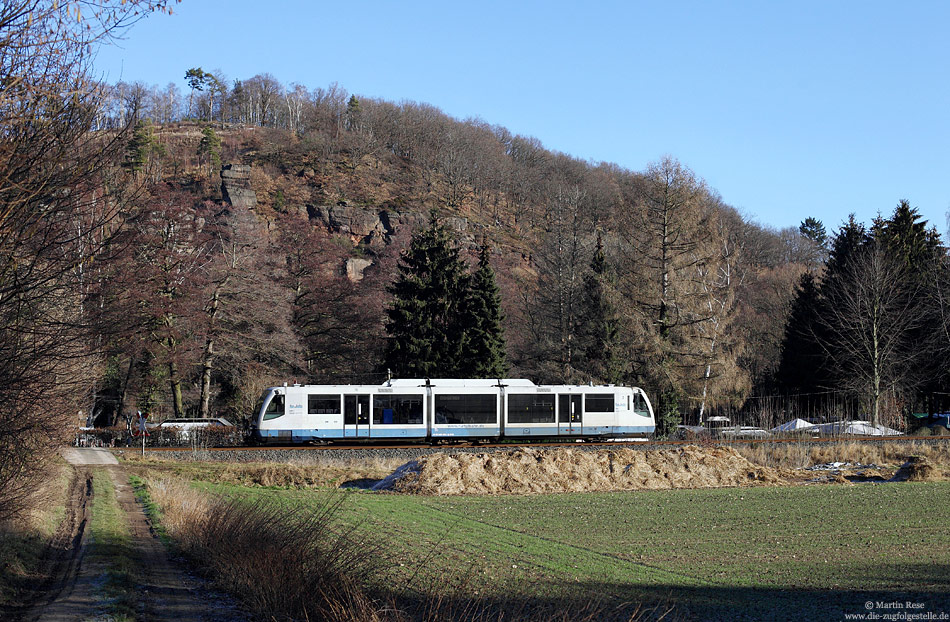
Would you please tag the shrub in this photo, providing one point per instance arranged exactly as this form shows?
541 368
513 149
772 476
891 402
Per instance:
200 438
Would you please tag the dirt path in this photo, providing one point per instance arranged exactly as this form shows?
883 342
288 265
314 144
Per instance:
61 591
73 593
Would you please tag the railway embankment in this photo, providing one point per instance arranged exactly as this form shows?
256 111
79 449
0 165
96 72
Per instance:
820 449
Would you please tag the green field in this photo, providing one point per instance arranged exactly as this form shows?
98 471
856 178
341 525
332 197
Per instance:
805 552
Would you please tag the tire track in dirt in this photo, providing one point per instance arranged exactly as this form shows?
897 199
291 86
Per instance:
72 590
168 595
60 591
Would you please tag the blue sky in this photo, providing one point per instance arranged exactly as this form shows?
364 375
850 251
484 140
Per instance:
789 110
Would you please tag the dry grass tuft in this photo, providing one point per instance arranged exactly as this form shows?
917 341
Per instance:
304 475
805 454
531 471
918 469
282 562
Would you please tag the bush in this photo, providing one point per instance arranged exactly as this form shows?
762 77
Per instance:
921 431
200 438
939 430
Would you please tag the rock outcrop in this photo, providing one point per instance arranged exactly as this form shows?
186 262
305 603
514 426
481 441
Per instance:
364 225
236 186
354 268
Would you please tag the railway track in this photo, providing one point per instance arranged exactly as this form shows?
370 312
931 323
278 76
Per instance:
469 446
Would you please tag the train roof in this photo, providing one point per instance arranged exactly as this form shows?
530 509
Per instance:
407 383
458 382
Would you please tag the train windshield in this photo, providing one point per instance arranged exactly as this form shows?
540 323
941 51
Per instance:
275 407
640 405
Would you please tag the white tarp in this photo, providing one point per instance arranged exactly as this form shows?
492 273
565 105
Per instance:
854 428
794 425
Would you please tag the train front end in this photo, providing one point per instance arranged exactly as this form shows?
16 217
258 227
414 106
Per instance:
272 406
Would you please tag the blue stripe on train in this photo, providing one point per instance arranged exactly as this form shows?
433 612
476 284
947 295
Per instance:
444 432
552 431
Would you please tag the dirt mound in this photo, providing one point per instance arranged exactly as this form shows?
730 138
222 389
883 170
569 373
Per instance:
526 471
917 469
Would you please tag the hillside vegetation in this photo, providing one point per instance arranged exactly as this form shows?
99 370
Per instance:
606 275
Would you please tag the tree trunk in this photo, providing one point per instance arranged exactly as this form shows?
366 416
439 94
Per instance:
125 389
206 366
207 362
175 384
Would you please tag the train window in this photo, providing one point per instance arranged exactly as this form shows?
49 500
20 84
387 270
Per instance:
640 405
466 409
323 404
599 403
397 409
275 408
530 409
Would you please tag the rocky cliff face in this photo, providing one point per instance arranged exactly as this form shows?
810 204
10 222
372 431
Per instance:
364 225
236 186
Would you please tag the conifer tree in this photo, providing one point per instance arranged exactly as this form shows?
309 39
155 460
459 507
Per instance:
484 338
802 367
814 230
139 146
601 322
209 149
425 320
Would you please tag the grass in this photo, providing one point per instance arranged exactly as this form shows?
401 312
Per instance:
22 542
793 552
807 552
112 549
318 474
152 510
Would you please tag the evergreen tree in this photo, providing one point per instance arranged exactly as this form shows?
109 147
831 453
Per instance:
425 319
846 244
907 239
354 115
139 146
814 230
802 367
918 250
667 412
601 322
209 149
195 77
484 338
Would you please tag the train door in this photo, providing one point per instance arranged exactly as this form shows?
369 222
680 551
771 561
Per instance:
355 416
569 418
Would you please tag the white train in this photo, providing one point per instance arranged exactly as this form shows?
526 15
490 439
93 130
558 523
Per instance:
445 409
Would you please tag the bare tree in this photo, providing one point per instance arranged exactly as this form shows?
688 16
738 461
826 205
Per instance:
552 308
60 191
871 307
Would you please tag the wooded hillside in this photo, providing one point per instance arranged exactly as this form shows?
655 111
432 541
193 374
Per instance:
606 275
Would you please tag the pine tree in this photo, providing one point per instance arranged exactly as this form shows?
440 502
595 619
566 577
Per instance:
601 322
802 367
667 412
209 149
484 337
906 238
425 320
814 230
846 244
139 147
